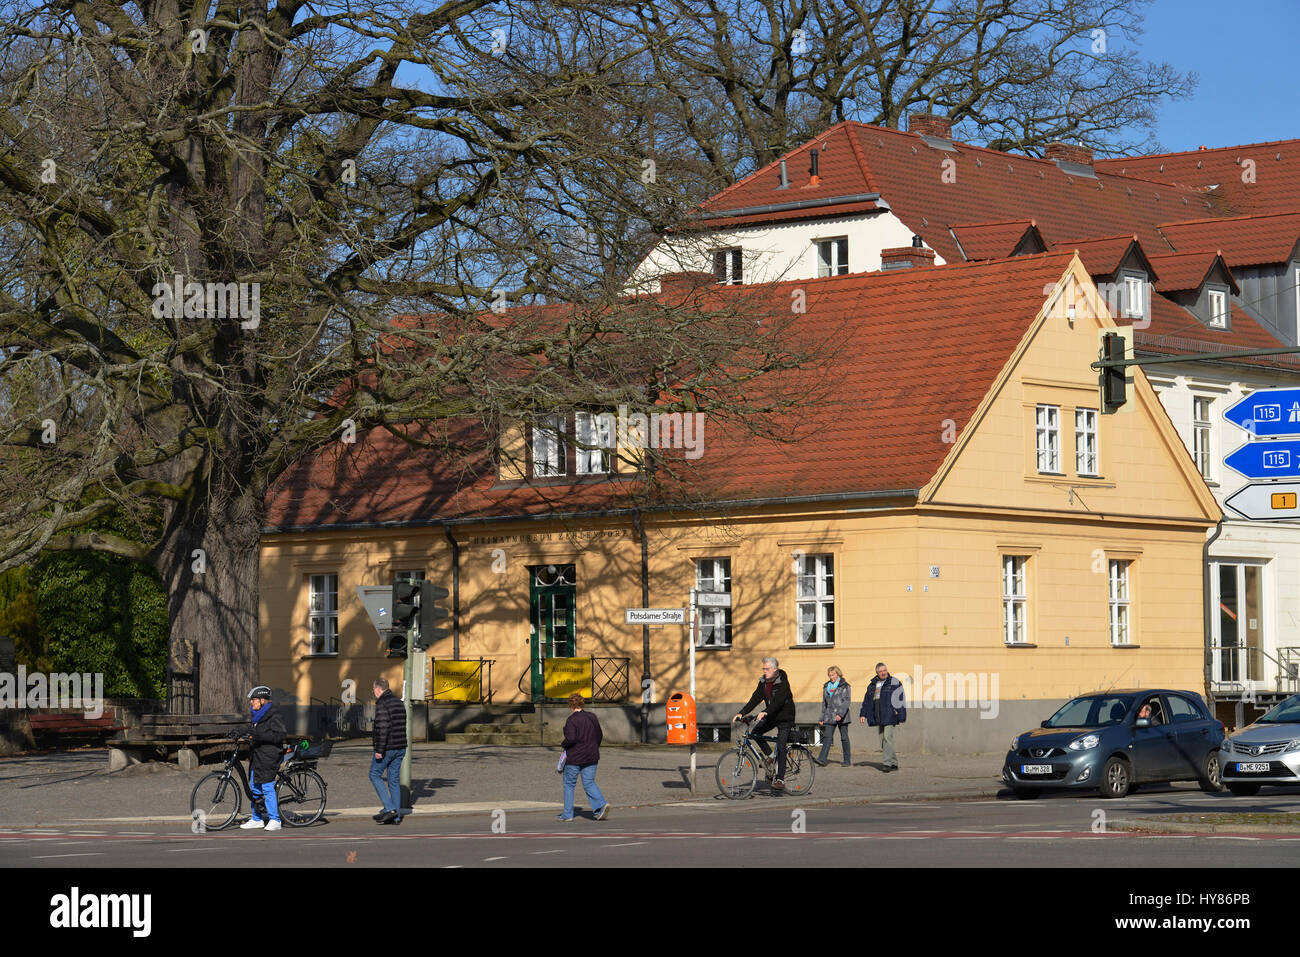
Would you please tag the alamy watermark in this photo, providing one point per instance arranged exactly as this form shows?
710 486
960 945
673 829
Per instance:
57 690
208 300
953 689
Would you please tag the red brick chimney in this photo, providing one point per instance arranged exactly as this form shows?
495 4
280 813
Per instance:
930 125
684 283
904 257
1069 152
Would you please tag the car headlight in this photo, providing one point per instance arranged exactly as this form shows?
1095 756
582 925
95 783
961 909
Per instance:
1086 743
1293 745
1015 743
1227 746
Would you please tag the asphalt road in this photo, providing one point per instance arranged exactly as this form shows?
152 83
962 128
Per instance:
1072 830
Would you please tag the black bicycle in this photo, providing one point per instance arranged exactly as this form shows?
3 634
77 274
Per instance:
299 790
737 770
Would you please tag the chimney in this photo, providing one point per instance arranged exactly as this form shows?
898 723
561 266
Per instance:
813 178
905 257
1070 153
785 180
927 124
684 283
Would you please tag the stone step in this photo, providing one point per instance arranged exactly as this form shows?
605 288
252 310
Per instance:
502 728
516 739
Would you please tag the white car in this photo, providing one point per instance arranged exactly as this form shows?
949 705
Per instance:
1266 752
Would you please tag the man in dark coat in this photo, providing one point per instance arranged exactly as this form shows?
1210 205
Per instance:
582 737
884 709
267 750
778 712
390 747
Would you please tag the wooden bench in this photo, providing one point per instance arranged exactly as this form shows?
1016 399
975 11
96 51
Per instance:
72 724
187 736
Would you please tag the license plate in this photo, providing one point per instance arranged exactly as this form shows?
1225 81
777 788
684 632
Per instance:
1252 768
1035 769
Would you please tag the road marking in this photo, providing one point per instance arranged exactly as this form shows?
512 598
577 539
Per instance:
42 857
487 859
557 851
182 850
633 844
70 843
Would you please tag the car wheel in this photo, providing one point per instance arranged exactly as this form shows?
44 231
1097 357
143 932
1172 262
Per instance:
1116 779
1209 777
1026 794
1243 790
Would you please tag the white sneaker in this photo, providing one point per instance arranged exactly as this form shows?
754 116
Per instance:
273 826
251 825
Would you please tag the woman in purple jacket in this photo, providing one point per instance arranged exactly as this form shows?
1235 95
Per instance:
582 737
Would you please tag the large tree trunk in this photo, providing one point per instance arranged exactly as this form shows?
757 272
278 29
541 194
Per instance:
210 567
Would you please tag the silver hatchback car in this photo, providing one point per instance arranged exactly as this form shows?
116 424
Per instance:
1266 752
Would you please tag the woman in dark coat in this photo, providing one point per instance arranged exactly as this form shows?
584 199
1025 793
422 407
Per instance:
836 701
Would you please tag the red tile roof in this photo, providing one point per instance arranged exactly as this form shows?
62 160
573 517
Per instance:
993 240
1272 182
896 358
1243 240
1101 257
1175 331
1176 272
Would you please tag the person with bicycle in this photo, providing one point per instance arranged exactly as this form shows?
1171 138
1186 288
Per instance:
266 750
778 712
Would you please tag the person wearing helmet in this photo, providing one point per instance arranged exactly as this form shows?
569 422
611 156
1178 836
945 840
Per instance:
267 746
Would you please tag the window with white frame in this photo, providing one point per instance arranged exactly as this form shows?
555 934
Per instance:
1135 300
324 614
548 446
1201 425
833 256
1218 309
714 575
1085 442
1120 609
595 442
1047 440
728 266
1015 600
816 600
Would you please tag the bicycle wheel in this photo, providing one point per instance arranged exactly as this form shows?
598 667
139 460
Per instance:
799 770
214 802
300 792
736 774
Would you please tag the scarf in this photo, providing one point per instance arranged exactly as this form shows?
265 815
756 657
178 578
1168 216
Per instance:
260 713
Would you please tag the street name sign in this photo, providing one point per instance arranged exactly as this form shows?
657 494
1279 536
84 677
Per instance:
656 616
713 599
1261 502
1266 460
1267 412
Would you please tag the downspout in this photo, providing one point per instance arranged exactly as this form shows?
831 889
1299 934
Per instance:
645 629
455 592
1207 585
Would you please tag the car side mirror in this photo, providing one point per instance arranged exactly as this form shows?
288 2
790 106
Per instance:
1042 724
1142 723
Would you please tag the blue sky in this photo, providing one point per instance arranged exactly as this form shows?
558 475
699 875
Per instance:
1246 54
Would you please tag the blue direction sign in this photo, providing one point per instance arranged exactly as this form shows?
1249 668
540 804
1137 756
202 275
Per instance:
1266 460
1268 412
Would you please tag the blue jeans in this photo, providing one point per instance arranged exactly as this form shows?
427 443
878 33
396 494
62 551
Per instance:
390 793
268 797
594 797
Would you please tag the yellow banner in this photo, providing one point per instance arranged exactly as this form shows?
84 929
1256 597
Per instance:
456 680
566 676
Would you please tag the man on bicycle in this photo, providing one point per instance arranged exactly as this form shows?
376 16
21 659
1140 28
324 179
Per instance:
778 712
267 750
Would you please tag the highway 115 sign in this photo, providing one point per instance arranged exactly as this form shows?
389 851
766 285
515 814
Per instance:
1267 414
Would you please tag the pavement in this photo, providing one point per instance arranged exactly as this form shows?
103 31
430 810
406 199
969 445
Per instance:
76 786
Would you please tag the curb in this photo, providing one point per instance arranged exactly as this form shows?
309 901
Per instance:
1166 827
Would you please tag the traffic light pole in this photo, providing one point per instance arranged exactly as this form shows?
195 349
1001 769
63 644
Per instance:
407 675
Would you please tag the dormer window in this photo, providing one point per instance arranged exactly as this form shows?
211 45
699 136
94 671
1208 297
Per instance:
1218 309
833 256
1135 300
728 266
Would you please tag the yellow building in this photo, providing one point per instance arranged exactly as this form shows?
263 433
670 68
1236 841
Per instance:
955 506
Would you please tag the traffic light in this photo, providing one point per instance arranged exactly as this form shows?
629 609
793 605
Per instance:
406 609
1113 380
430 613
394 641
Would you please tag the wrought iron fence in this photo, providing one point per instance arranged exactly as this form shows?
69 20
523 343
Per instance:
609 679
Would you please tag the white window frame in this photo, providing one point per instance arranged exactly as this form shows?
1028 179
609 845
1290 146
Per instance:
713 575
1135 299
323 613
732 262
1119 589
816 602
593 451
1219 312
1047 438
833 256
1202 434
1087 452
549 453
1015 599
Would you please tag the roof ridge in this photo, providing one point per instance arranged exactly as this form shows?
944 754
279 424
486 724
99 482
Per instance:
1197 152
1228 219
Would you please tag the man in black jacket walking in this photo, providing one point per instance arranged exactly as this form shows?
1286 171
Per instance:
778 712
390 748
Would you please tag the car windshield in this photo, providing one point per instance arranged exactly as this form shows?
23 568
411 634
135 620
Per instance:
1092 712
1288 712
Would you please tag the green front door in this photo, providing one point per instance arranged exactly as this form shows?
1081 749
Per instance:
552 594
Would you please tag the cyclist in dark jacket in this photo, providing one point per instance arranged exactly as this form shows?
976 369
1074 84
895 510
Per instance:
390 748
267 751
778 712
